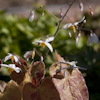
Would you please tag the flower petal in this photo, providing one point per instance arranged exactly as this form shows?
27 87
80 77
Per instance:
37 41
27 55
49 39
17 69
31 17
89 40
95 38
76 23
66 26
49 46
16 58
7 57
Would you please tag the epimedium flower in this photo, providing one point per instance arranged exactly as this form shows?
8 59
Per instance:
31 16
28 54
71 65
92 38
12 66
13 58
45 43
73 25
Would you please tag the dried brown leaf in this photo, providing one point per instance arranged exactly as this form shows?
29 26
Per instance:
56 66
37 72
2 85
72 86
18 77
77 75
11 92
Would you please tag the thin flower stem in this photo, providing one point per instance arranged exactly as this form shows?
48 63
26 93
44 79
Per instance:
86 29
52 15
59 23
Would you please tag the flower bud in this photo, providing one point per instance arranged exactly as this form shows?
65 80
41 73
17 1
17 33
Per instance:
76 39
91 12
31 17
81 6
69 33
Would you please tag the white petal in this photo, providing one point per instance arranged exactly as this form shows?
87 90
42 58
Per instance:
27 55
73 62
76 23
67 25
81 20
38 41
16 58
4 65
7 57
95 38
17 69
49 46
90 40
31 17
49 39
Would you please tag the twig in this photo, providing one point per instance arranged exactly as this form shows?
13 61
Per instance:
59 23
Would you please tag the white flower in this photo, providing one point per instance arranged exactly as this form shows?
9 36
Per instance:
31 17
71 65
92 38
46 42
72 25
28 54
13 66
12 57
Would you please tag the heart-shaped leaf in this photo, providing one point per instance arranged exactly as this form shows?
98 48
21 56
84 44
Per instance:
11 92
19 77
46 91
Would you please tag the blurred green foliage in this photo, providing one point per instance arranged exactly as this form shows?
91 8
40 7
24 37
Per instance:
17 35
